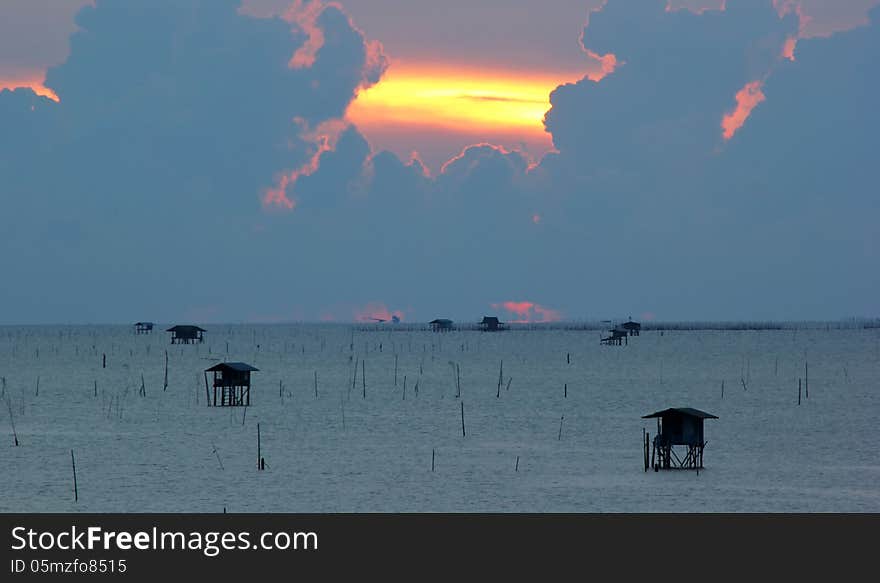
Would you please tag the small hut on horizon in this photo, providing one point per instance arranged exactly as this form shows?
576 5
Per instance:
186 334
632 328
617 338
441 325
143 327
677 426
491 324
233 379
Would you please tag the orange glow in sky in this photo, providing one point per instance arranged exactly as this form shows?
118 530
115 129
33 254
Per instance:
747 99
35 84
458 99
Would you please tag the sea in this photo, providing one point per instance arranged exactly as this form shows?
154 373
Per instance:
389 418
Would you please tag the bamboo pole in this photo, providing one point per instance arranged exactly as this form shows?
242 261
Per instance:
462 419
75 489
807 379
217 453
12 421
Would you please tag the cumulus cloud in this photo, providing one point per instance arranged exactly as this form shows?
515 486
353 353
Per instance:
174 116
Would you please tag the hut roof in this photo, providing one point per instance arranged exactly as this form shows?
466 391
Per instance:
688 411
236 366
441 321
185 328
490 319
143 323
631 324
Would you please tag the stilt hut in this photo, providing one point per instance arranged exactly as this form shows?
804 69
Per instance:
441 325
233 380
617 338
633 328
143 327
681 426
491 324
186 334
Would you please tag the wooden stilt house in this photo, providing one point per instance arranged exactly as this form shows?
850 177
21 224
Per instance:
441 325
231 382
143 327
186 334
682 426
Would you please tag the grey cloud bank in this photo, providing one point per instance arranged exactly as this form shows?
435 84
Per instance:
139 194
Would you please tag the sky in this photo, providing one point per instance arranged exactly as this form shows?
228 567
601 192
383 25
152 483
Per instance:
276 161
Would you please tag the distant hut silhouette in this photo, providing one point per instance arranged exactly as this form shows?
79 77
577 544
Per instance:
491 324
678 426
143 327
617 338
633 328
186 334
233 379
441 325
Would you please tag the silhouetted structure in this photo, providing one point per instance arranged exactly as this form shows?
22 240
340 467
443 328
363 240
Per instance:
143 327
234 381
441 325
186 334
617 338
679 426
633 328
491 324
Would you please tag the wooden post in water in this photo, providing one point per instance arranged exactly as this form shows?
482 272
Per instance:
500 378
259 454
432 459
316 384
462 419
516 469
104 360
799 391
559 438
11 420
395 370
165 385
364 377
565 391
75 490
807 379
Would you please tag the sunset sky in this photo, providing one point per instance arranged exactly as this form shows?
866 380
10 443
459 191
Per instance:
681 160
